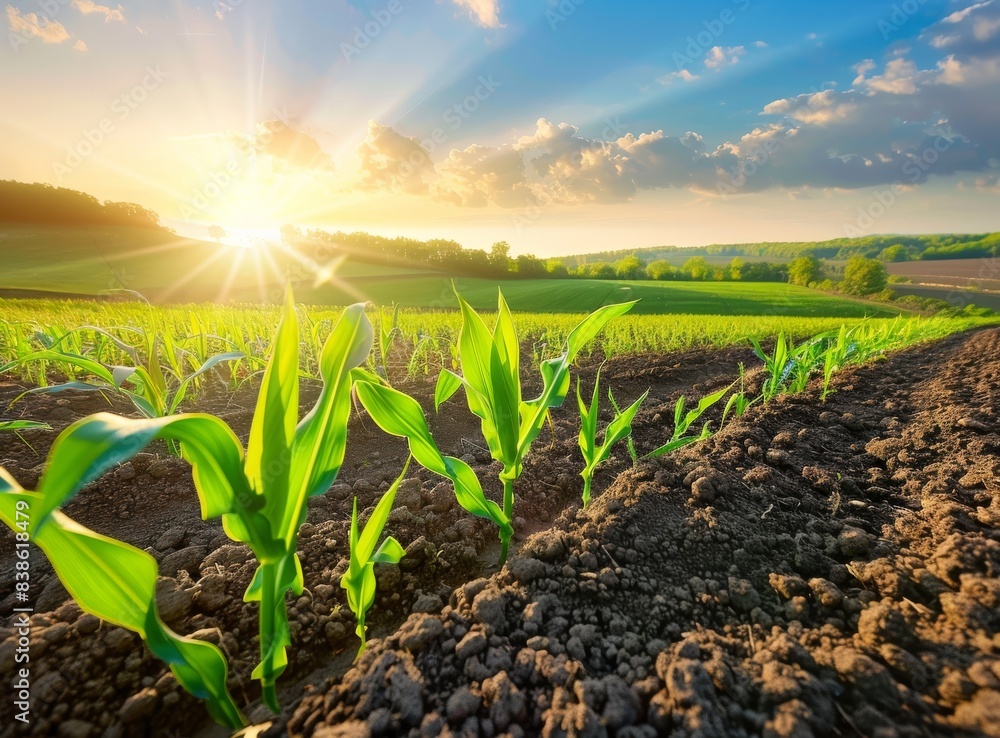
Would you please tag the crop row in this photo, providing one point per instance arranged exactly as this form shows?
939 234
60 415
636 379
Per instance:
260 490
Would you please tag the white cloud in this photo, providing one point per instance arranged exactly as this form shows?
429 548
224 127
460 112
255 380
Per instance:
80 46
721 56
89 7
29 24
683 75
485 12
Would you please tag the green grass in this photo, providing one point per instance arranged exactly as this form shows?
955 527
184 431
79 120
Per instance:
582 296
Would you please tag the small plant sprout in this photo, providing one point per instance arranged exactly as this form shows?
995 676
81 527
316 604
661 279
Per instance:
684 420
18 426
491 376
359 580
619 428
775 364
109 578
387 331
738 402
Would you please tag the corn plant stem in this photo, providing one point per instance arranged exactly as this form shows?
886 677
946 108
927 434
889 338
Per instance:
508 511
267 633
587 480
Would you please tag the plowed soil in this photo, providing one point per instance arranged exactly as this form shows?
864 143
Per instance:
812 570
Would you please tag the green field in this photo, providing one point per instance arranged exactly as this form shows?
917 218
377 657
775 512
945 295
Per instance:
580 296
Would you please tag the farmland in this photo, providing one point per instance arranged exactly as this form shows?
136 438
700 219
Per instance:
752 390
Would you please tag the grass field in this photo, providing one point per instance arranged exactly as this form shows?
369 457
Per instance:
579 296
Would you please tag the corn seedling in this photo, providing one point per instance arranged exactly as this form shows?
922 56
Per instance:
619 428
109 578
684 420
359 580
775 364
387 331
490 365
18 426
738 402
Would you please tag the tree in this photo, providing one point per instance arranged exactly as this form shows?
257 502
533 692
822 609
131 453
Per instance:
894 253
736 267
864 276
805 270
216 232
660 270
697 268
500 256
527 266
631 267
556 268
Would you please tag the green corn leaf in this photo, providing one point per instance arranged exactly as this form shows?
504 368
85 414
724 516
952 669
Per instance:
390 552
274 421
117 583
401 416
447 385
207 366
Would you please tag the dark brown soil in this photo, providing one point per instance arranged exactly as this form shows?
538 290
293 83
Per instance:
811 570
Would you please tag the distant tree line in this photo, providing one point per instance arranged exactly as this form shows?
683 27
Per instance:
45 204
884 248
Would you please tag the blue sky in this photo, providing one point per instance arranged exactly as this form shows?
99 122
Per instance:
558 126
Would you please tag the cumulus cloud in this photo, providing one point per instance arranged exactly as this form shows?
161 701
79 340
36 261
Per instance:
286 149
683 75
30 25
89 7
484 12
391 161
723 56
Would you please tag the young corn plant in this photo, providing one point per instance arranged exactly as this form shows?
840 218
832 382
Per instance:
491 378
261 492
775 364
684 420
387 332
359 579
18 426
619 428
738 402
835 358
109 578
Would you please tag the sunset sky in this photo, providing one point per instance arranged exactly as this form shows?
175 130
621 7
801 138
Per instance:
559 126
